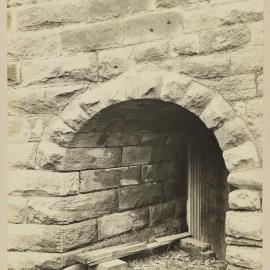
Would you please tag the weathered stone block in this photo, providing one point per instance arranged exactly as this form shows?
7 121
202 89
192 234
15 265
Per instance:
242 242
250 257
242 157
17 209
51 238
216 112
139 195
113 62
90 139
248 179
199 19
14 73
153 26
94 36
109 178
113 265
27 129
224 38
42 43
136 155
232 134
206 66
51 14
118 223
241 12
244 224
124 138
187 44
197 97
245 199
152 51
160 213
22 156
49 210
81 67
247 60
153 138
43 183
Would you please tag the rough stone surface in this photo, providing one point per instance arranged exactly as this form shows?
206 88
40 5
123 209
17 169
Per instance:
243 242
242 157
251 179
43 183
109 178
49 210
250 257
51 238
152 51
17 209
136 155
81 67
124 138
118 223
244 199
244 224
14 73
139 195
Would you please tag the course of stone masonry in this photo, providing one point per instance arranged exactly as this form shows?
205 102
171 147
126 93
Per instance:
103 96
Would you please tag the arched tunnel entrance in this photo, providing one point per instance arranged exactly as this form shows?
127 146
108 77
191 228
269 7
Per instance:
169 162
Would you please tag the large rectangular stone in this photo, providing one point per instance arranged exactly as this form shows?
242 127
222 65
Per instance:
17 209
136 155
124 138
139 195
75 68
51 238
42 183
109 178
149 27
115 224
94 36
49 210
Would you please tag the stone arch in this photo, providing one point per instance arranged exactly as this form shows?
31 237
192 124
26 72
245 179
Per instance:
151 82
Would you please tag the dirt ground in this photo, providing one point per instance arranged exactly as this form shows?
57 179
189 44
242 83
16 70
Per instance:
175 259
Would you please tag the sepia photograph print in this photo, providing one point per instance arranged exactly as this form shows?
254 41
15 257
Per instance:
135 134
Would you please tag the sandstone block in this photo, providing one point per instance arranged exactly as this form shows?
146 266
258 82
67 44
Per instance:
22 156
153 138
216 112
74 267
139 195
196 98
247 60
224 38
187 44
199 19
254 108
94 36
251 179
43 43
113 62
206 66
109 178
17 209
81 67
250 257
242 242
242 157
136 155
90 139
49 210
160 213
51 14
152 51
232 133
51 238
14 73
113 265
27 129
118 223
124 138
240 12
153 26
244 224
42 183
245 199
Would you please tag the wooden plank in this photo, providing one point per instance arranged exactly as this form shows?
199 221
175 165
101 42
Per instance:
172 238
107 254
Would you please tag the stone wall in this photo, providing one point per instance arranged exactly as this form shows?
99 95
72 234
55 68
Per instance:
60 51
